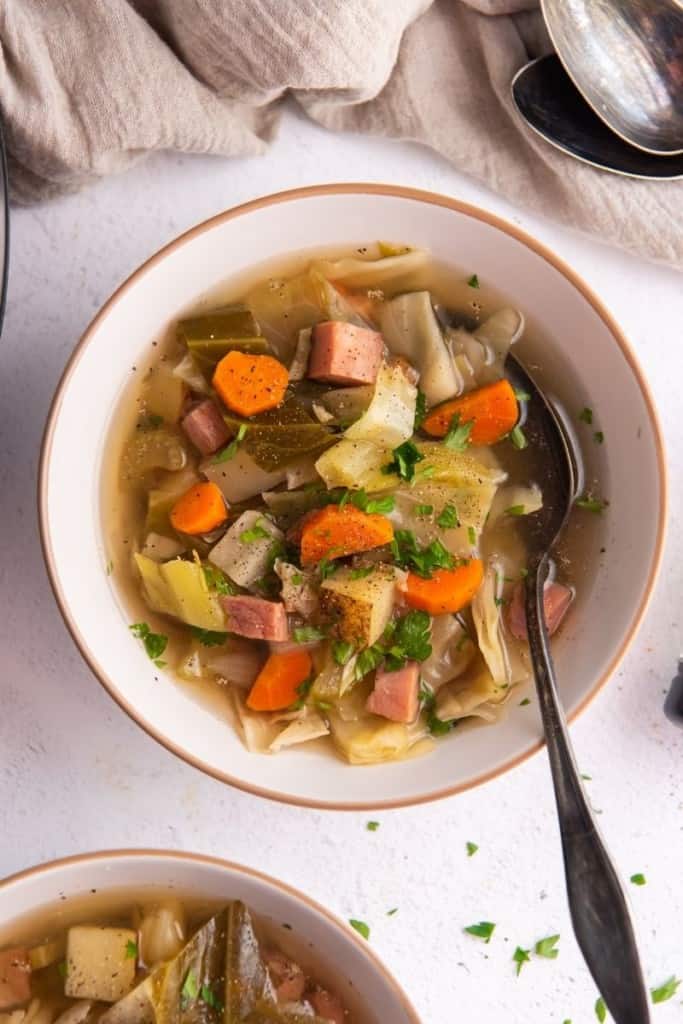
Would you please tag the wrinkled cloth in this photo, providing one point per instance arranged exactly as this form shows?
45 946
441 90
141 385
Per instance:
89 86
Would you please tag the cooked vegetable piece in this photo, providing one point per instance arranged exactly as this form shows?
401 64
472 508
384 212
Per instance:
486 614
160 548
280 437
394 695
200 510
161 499
247 550
334 532
299 593
342 353
148 450
15 978
228 322
162 933
241 478
47 953
164 394
355 464
389 419
474 692
308 725
359 608
448 590
287 977
247 979
205 427
250 385
256 618
179 588
411 330
97 964
359 273
372 741
346 405
277 685
299 364
492 411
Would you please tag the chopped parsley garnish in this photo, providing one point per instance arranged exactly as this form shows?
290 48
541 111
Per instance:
327 567
588 778
521 957
523 703
472 535
484 930
424 510
522 396
448 517
190 989
598 437
361 572
586 415
406 456
341 651
367 660
420 409
154 643
436 726
499 601
518 438
639 879
410 640
381 506
150 422
297 579
390 913
63 969
131 950
665 991
254 533
471 849
546 947
473 281
515 510
208 637
361 927
372 826
591 504
307 634
458 435
409 555
600 1009
211 999
230 450
303 690
218 581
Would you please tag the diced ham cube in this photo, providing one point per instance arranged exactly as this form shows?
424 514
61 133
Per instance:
205 427
395 695
256 618
556 601
327 1006
15 978
287 977
345 354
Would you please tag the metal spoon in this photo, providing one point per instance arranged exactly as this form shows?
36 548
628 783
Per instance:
550 103
626 59
597 903
4 227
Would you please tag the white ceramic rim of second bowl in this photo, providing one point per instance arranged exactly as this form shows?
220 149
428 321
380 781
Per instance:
238 869
354 188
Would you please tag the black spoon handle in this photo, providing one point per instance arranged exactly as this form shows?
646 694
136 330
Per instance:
599 912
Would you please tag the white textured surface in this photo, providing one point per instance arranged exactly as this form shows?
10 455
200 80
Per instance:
76 774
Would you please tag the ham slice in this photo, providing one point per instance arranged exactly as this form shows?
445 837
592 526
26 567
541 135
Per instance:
342 353
556 601
15 978
205 427
256 618
327 1006
287 977
395 695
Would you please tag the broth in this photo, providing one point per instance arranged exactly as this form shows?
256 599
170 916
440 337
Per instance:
461 311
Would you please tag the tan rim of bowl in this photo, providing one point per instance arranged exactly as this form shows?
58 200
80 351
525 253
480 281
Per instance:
305 193
240 869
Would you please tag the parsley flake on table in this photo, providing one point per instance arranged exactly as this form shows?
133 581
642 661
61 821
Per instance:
208 637
600 1009
638 879
546 947
406 457
458 435
372 826
230 450
154 643
361 927
521 957
484 930
586 415
131 950
390 913
471 849
665 991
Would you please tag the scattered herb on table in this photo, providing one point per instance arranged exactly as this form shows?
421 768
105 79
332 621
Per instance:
471 849
547 947
665 991
600 1009
521 957
372 826
390 913
638 879
361 927
484 930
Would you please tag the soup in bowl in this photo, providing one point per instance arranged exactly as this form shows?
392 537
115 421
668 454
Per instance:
136 936
310 479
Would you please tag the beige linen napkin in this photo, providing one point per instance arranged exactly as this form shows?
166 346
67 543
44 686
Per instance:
88 86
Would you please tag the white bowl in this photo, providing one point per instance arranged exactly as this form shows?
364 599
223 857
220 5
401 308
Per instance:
586 359
344 960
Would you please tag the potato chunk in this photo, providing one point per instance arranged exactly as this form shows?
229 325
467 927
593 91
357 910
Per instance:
99 962
360 608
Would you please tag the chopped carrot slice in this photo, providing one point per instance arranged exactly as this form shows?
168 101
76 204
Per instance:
333 532
492 411
276 685
199 510
448 590
250 384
